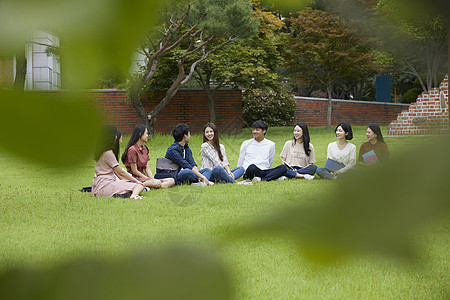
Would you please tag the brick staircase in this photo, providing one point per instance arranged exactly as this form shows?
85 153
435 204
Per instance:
428 115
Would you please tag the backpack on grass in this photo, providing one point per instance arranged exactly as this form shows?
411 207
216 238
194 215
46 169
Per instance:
165 168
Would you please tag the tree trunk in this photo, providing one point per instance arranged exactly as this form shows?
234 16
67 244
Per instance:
205 83
171 92
134 96
144 116
329 89
429 68
415 73
210 98
21 70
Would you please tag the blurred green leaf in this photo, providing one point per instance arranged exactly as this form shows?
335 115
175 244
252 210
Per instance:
173 273
58 130
373 210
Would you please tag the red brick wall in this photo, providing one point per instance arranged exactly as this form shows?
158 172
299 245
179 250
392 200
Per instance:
313 111
188 106
425 116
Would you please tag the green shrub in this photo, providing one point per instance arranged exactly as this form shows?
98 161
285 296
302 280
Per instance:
411 95
273 107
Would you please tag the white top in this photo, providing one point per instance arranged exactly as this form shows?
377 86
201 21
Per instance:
346 156
210 157
259 153
295 154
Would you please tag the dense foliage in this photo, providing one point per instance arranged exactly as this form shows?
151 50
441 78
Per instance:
394 41
277 108
189 31
324 49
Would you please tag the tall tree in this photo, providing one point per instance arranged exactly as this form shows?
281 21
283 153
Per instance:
249 62
324 49
195 25
418 39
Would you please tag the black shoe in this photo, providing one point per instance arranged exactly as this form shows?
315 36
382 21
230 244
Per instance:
87 189
124 195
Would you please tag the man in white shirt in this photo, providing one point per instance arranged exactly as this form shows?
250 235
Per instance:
256 155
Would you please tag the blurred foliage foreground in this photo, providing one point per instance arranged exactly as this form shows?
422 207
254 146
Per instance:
376 210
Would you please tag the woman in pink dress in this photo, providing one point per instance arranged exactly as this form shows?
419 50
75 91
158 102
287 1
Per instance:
107 167
136 158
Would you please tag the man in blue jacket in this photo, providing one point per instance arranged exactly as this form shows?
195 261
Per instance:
180 153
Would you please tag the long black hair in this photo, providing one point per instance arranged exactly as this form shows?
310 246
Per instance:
376 129
108 140
215 141
138 131
306 138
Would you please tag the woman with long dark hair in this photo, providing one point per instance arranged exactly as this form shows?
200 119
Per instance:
136 158
341 153
105 182
298 154
375 149
215 158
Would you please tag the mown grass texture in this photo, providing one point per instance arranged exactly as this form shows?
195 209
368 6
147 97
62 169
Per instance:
45 221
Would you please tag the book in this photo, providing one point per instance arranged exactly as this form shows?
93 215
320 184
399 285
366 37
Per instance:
370 157
332 165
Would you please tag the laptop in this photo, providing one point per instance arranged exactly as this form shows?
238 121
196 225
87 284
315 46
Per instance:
332 165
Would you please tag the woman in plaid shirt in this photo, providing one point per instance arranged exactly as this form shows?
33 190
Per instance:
213 155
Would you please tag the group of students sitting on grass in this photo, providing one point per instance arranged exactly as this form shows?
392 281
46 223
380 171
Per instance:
255 159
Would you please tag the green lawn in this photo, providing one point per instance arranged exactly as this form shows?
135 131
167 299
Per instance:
46 221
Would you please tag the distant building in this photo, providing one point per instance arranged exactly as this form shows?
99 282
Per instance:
43 67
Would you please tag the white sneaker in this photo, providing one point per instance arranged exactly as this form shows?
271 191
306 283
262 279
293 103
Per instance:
281 178
308 177
256 179
211 183
147 189
200 183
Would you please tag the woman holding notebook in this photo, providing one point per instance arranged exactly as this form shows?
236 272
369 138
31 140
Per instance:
341 155
374 150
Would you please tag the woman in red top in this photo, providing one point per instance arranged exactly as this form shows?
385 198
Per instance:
374 142
136 158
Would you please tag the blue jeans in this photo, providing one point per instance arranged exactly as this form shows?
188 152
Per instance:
325 174
311 170
187 176
220 175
